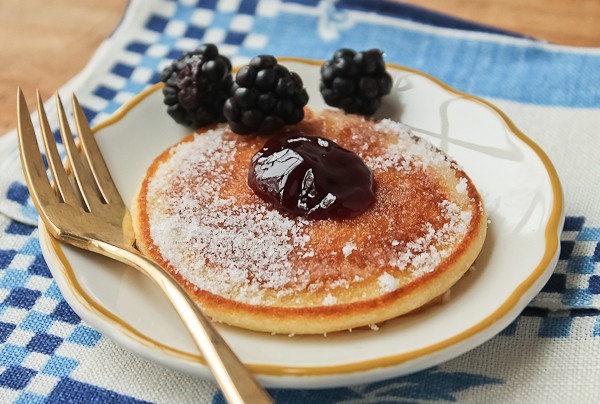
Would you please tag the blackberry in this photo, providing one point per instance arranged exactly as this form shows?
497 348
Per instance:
355 81
264 97
196 86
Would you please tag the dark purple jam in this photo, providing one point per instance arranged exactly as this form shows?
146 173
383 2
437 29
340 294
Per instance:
311 176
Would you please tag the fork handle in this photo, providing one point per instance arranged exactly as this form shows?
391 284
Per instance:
235 380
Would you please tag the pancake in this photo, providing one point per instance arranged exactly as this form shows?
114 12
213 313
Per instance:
248 265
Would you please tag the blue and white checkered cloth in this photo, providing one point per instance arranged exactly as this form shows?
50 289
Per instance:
550 353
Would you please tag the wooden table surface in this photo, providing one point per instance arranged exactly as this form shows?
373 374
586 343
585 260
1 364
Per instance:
45 43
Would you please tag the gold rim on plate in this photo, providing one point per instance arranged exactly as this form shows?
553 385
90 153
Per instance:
551 234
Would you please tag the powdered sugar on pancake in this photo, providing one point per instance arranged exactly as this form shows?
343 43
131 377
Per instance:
249 244
249 252
407 152
424 254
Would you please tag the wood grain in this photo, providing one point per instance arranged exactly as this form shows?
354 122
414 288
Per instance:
565 22
45 43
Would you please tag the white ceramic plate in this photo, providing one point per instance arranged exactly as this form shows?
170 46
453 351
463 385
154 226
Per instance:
523 199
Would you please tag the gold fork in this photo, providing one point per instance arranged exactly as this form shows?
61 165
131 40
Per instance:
92 216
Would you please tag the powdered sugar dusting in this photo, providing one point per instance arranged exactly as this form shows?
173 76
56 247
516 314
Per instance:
461 187
247 252
407 152
388 283
348 248
424 254
427 252
199 227
329 300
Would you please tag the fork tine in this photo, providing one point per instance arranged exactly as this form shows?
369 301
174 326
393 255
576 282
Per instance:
81 168
94 156
31 157
61 179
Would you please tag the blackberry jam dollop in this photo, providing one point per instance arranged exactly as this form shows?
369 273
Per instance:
311 176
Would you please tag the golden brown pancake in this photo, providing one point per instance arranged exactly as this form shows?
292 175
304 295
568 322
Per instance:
251 266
